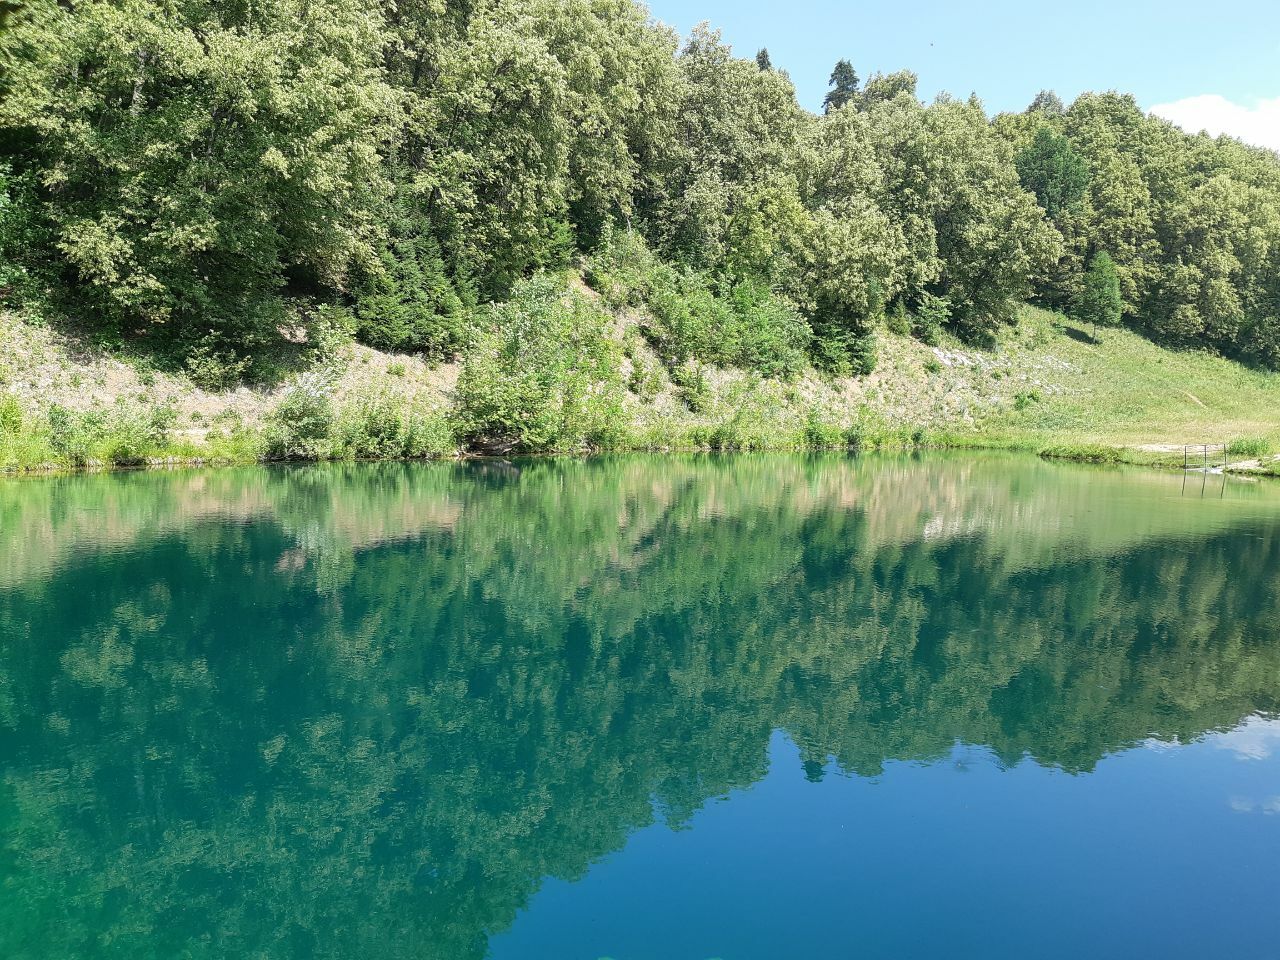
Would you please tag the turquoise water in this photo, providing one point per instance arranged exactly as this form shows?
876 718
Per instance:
641 708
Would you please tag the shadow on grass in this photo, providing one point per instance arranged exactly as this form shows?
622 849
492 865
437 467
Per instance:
1080 336
265 364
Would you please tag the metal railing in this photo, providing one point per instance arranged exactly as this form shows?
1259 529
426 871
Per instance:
1204 451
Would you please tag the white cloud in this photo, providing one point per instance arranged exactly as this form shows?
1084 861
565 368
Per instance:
1255 739
1258 125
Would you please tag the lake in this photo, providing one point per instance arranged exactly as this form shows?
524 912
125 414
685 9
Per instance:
646 708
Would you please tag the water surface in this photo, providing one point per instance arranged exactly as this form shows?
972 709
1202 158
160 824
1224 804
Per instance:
641 708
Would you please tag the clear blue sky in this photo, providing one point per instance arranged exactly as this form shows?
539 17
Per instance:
1006 51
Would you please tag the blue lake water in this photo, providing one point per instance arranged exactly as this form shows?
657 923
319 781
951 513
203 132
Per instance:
644 708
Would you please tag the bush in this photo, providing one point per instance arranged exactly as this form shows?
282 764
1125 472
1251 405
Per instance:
11 416
821 434
23 444
771 336
1083 453
547 375
621 268
213 366
747 326
128 437
932 315
686 320
385 428
1251 447
645 380
17 236
694 389
842 352
300 426
70 435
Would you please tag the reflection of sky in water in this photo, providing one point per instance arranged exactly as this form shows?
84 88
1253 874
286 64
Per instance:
1258 738
918 861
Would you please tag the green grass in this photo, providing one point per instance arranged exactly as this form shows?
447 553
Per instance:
1125 392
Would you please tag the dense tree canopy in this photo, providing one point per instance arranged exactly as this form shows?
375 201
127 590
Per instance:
206 174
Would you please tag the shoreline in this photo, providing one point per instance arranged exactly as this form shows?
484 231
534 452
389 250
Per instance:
1092 454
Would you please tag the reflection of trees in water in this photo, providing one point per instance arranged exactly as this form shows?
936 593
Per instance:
305 736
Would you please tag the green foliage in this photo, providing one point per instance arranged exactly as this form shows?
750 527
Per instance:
381 427
821 433
1051 169
214 366
1249 447
932 314
1098 301
694 390
191 158
844 353
546 375
689 316
204 178
124 435
844 86
736 129
302 423
406 300
22 269
1082 453
1047 102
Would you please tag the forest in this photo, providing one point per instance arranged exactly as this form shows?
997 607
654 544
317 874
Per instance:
209 178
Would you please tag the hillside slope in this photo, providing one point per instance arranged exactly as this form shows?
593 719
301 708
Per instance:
1046 385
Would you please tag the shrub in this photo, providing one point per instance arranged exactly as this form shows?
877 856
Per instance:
931 317
1024 399
17 236
1249 447
695 391
645 380
128 437
770 334
302 423
621 269
842 352
330 330
821 434
23 444
407 301
71 435
380 427
1083 453
11 415
213 366
547 375
686 320
689 318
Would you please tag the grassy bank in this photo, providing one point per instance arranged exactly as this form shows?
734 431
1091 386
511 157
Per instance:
1045 386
